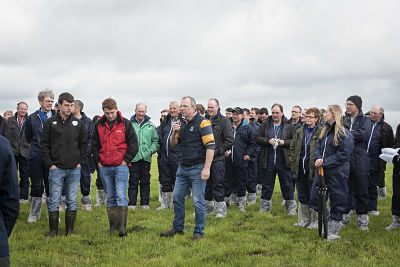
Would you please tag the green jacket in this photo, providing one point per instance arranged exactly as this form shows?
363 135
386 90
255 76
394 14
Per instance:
295 150
147 138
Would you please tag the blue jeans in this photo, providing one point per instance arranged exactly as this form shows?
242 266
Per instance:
57 178
189 176
115 181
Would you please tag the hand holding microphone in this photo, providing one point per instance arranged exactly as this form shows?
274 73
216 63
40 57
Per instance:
177 127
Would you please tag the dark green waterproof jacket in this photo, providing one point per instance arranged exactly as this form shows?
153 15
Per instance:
295 151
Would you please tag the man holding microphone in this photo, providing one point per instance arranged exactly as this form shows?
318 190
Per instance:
197 145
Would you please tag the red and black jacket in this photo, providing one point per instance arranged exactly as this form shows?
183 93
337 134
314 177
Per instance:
112 146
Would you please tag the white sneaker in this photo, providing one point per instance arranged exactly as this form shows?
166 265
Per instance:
145 207
132 207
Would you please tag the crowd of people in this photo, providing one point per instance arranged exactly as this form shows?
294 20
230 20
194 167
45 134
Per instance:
220 161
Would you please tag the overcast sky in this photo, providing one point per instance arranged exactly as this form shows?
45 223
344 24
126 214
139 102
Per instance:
245 53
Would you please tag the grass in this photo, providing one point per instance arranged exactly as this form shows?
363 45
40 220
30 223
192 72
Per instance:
242 239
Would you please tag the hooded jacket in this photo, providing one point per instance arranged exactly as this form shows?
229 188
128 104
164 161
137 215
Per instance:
244 143
298 144
336 159
223 135
9 195
33 133
263 136
381 136
168 153
112 146
147 136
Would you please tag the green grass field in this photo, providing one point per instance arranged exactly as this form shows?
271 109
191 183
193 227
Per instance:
241 239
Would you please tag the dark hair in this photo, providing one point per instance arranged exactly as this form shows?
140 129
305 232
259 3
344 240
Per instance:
279 105
22 102
228 109
95 118
256 110
109 103
164 110
246 110
263 111
65 97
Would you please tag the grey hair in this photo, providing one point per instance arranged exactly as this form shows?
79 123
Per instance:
297 106
215 100
138 104
192 100
381 110
79 104
44 93
174 102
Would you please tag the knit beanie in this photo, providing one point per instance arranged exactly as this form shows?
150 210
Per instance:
356 100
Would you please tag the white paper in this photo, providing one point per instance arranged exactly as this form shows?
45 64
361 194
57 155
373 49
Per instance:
388 154
386 157
390 151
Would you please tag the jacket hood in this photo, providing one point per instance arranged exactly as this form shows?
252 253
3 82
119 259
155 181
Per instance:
145 119
120 119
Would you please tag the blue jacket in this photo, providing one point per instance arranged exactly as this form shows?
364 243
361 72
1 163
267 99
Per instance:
9 195
166 151
33 133
244 143
89 127
381 136
361 130
336 159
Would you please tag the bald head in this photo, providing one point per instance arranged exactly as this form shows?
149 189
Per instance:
376 113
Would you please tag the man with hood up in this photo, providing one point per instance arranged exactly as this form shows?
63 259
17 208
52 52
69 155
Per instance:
140 170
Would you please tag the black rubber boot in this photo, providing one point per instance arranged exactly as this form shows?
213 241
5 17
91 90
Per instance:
113 218
53 222
70 216
122 216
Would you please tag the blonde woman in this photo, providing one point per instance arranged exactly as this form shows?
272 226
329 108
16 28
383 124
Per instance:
333 153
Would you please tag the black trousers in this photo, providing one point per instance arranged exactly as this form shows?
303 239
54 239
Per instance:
215 184
39 175
167 174
139 176
23 167
396 190
85 179
236 180
252 177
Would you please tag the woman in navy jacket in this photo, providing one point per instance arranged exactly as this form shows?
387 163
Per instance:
333 153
